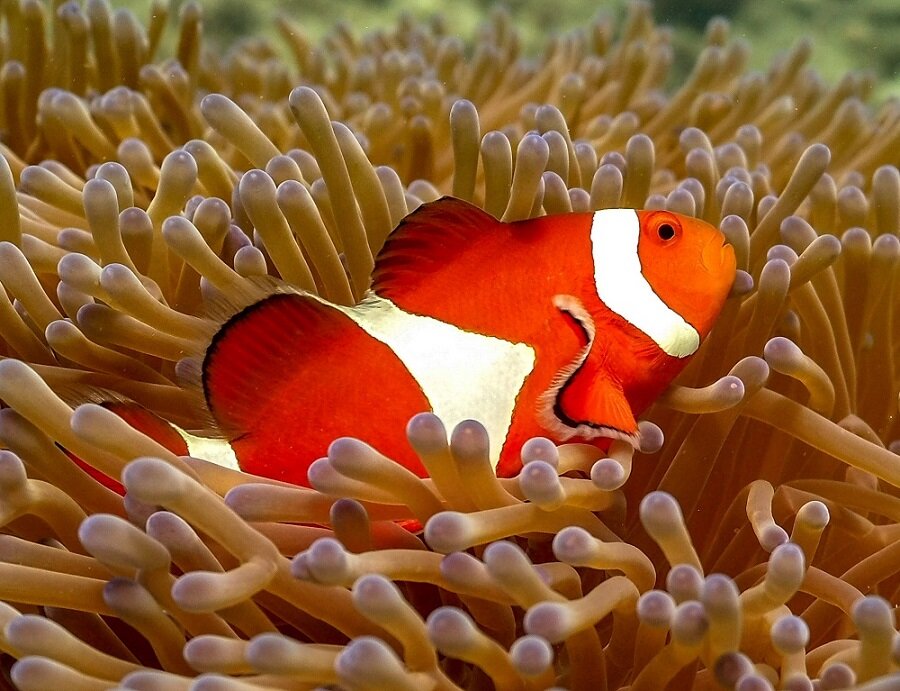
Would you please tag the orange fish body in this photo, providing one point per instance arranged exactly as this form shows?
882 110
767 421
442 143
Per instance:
561 326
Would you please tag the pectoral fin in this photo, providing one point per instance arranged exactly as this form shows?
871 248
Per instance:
585 401
593 405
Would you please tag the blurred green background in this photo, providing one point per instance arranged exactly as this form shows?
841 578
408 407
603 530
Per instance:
847 34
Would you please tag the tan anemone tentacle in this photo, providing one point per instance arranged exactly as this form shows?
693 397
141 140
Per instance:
750 541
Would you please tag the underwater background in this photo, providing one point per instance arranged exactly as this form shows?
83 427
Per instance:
848 35
156 165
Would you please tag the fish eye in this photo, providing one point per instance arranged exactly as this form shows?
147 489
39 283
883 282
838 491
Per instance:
662 228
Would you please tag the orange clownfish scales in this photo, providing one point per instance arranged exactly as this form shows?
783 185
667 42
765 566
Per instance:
268 369
563 326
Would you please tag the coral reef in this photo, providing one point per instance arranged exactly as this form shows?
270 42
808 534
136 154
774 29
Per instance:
751 543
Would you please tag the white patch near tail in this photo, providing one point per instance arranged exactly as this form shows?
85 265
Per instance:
463 375
621 285
210 449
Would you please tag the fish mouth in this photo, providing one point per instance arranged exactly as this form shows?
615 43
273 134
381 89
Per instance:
717 255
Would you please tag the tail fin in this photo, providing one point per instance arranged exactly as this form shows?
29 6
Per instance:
142 420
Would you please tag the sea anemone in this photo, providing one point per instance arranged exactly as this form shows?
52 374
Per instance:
751 542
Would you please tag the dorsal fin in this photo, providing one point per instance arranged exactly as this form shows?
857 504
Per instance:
253 350
222 309
430 236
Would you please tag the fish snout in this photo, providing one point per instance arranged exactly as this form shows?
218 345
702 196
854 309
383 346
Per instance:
718 256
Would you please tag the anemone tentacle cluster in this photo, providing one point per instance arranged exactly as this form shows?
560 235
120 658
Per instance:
752 542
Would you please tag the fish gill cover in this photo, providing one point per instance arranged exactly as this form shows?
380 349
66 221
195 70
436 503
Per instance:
750 543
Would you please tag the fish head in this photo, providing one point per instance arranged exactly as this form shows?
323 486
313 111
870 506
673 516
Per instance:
688 263
661 279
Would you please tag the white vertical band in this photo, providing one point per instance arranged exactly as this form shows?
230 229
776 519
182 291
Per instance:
462 374
621 285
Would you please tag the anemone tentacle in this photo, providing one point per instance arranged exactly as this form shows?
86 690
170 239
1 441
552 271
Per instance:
755 545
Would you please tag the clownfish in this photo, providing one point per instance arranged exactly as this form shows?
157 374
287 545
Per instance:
565 326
